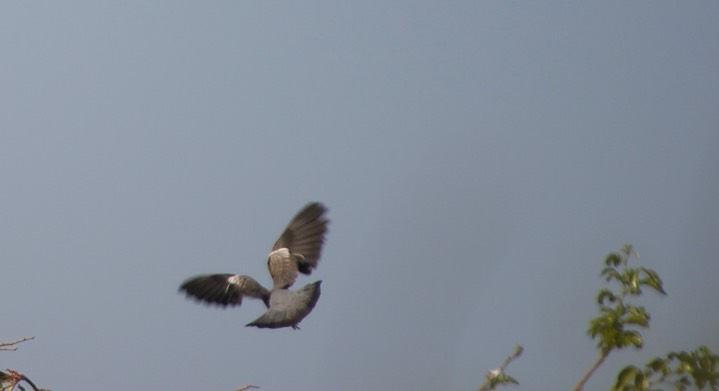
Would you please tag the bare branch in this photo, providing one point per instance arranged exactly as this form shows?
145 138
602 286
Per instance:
600 359
11 345
247 387
492 375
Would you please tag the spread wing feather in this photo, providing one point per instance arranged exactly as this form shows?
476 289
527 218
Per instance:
304 237
224 289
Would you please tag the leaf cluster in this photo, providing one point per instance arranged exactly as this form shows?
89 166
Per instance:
619 321
680 370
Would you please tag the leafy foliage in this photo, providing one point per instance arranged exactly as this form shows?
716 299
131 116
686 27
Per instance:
680 370
618 325
619 321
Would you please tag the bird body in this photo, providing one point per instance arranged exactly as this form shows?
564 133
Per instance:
296 251
286 306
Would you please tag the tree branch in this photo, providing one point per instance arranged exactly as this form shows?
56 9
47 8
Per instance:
247 387
600 359
14 378
11 345
492 375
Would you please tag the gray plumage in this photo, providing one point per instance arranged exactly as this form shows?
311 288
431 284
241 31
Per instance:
287 308
297 250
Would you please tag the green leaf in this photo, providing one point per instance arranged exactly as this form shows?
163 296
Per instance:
684 381
626 377
506 379
683 357
641 382
631 281
610 274
637 316
652 280
606 294
628 250
659 365
596 326
613 260
630 337
704 367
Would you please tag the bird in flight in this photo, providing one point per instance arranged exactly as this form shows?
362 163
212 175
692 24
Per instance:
297 250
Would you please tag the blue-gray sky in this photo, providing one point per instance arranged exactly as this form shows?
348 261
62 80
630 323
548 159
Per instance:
479 160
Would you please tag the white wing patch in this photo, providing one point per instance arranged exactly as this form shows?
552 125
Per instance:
283 268
280 253
235 280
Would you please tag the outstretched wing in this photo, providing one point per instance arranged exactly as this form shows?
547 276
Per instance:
288 308
224 289
303 238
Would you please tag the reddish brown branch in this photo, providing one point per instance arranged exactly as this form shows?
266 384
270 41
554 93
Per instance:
17 377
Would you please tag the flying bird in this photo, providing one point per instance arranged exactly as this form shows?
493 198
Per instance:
297 250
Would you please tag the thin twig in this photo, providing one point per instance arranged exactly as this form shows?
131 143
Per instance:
34 387
10 345
600 359
247 387
491 375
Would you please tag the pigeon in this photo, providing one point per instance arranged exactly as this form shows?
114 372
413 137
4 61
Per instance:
296 251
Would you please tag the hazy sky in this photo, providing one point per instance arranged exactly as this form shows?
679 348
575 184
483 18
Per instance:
479 160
